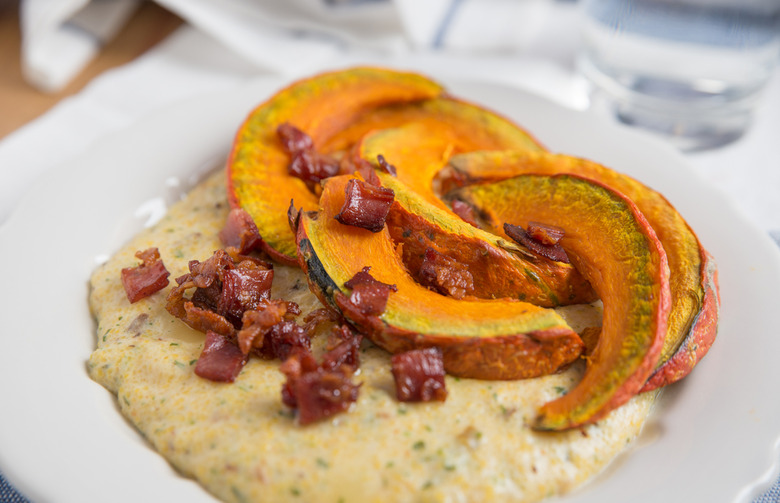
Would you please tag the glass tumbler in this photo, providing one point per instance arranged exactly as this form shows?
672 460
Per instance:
690 70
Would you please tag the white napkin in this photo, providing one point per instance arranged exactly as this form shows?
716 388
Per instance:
288 37
59 38
526 43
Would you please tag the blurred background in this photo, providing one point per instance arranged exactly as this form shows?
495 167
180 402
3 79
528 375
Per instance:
21 102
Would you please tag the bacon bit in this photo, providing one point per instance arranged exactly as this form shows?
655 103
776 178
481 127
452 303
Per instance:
368 294
386 166
445 275
465 211
312 167
205 320
244 288
366 170
283 339
293 139
365 205
419 375
147 278
545 234
343 350
203 274
318 316
239 257
317 393
240 232
220 360
306 163
223 292
552 252
293 217
258 322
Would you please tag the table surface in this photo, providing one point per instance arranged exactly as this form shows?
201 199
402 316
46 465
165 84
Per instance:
21 103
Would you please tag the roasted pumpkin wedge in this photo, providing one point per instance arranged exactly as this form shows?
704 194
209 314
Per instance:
471 126
611 243
499 267
693 318
321 106
485 339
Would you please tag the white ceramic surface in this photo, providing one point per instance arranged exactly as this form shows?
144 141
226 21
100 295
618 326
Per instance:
713 437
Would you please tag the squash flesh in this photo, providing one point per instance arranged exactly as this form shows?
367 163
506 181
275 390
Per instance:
692 325
499 266
487 339
321 106
613 246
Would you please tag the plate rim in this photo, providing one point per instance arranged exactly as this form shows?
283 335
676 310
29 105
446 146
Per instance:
240 102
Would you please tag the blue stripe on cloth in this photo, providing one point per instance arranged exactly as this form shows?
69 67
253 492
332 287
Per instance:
775 235
441 33
8 494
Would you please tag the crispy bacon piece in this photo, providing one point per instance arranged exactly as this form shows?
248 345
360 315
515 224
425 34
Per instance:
368 294
256 323
419 375
283 339
386 166
365 205
545 234
312 167
293 139
203 274
305 162
240 232
464 211
147 278
521 236
243 289
317 393
220 360
343 350
317 317
223 292
206 320
362 166
445 275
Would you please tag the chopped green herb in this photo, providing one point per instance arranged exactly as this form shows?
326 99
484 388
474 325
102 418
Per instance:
560 390
322 463
179 364
418 445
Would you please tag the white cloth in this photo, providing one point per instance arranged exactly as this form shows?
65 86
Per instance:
61 36
527 43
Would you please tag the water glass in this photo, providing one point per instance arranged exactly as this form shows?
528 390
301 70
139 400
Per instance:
690 70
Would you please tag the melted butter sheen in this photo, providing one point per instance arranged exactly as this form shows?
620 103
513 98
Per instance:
242 444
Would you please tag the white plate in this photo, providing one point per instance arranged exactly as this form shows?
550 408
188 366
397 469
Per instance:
712 438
